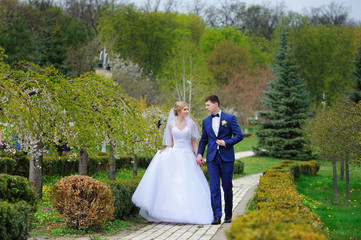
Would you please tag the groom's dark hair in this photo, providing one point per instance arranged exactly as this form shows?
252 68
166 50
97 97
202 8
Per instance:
213 99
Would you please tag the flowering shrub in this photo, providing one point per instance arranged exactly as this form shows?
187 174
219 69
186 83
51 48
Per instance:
83 201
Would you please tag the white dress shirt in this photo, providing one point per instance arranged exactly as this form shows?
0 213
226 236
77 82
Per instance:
215 123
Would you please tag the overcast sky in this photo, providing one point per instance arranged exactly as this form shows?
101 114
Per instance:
292 5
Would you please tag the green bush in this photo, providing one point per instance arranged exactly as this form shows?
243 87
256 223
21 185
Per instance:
123 192
21 166
18 204
238 167
15 220
83 201
16 188
7 165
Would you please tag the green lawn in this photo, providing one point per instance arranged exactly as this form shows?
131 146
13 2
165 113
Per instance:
342 219
256 164
246 144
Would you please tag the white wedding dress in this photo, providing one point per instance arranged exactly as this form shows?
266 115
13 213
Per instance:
174 188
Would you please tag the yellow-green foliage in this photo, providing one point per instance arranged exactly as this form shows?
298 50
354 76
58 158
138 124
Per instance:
83 201
278 210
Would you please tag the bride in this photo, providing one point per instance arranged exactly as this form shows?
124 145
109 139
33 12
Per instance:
173 188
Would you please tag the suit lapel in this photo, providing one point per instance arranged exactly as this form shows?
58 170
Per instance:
220 123
210 126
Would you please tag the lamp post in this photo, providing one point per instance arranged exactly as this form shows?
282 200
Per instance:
104 72
101 70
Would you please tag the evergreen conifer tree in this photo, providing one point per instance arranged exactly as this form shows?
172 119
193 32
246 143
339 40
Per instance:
287 104
356 75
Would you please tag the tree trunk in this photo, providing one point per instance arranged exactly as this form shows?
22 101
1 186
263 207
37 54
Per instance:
347 181
342 169
83 162
135 166
35 171
334 167
112 163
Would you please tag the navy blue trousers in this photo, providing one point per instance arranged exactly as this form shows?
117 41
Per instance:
217 170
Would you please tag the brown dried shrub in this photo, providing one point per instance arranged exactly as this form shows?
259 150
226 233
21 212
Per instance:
83 201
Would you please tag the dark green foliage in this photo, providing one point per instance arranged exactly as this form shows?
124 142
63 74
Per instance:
7 165
63 166
15 38
52 43
123 192
238 167
21 165
18 203
280 134
15 220
15 188
356 75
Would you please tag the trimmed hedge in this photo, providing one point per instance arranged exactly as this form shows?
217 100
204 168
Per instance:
64 166
123 191
18 204
15 220
15 189
278 212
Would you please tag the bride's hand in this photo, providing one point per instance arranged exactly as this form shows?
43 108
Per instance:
160 151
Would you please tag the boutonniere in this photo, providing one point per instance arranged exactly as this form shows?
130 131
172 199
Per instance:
224 123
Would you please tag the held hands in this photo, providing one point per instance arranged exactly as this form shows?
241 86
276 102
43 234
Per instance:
200 160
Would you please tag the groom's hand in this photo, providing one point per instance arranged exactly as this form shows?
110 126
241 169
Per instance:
221 143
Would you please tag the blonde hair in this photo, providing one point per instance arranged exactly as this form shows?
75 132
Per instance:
179 106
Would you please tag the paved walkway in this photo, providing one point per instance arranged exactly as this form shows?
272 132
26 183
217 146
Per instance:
160 231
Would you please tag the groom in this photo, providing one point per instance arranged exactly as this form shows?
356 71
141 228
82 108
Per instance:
220 131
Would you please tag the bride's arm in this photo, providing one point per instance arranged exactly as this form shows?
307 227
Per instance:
194 146
169 146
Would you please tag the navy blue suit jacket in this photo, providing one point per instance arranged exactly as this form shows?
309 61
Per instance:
231 134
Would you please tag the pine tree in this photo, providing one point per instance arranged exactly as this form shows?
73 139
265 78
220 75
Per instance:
356 75
287 104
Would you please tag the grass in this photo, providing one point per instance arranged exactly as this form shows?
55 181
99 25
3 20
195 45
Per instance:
50 224
256 164
246 144
341 218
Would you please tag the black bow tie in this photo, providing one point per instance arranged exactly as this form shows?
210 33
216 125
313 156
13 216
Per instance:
215 115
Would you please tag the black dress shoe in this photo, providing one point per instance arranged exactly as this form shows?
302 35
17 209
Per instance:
216 221
228 219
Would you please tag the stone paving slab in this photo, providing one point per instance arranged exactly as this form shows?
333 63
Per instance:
171 231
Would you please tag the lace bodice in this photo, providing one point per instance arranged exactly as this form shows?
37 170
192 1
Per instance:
181 138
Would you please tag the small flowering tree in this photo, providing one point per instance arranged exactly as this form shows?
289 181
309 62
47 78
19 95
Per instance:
30 108
145 134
